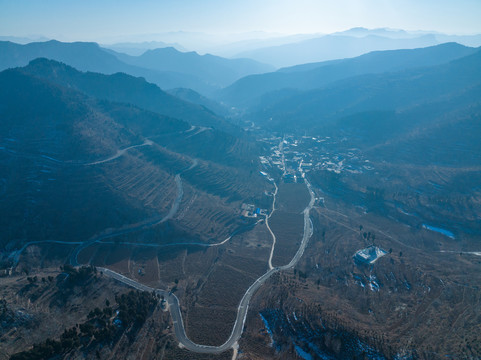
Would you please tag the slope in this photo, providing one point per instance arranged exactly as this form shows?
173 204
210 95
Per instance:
121 87
48 134
379 92
74 167
90 57
329 47
214 70
315 75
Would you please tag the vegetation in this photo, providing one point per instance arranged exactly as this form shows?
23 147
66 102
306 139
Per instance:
134 307
3 308
103 327
78 276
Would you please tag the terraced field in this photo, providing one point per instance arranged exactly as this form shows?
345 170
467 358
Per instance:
287 221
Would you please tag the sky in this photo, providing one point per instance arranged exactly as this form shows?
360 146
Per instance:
117 20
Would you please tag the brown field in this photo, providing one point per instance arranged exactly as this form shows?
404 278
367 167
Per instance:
175 352
258 241
209 325
288 228
210 281
292 197
113 257
144 267
427 300
287 222
245 263
225 287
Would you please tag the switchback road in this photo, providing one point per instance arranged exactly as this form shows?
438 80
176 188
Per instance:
243 307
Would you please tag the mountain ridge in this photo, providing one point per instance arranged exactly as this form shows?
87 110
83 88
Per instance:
316 75
90 56
119 87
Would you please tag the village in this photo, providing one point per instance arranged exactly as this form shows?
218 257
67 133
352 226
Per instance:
294 155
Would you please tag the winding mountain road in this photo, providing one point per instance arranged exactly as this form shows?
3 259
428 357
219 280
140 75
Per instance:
243 307
146 224
119 153
269 228
172 300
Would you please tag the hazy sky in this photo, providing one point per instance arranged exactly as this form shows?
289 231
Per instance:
110 19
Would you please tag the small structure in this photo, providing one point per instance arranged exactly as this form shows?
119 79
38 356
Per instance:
248 210
6 272
369 255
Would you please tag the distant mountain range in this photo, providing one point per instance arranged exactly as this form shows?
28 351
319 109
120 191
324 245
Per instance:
330 47
440 104
350 43
120 87
213 70
137 49
250 89
385 91
168 68
237 45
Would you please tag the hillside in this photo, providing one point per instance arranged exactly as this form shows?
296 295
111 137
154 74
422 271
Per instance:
166 67
67 179
378 92
196 98
214 70
124 88
89 57
248 90
329 47
341 221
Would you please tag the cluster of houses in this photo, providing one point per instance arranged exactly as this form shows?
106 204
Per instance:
291 155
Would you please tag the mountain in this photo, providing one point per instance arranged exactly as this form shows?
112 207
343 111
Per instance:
384 32
212 138
389 106
84 56
214 70
196 98
392 60
45 195
467 40
167 68
329 47
259 40
315 75
65 177
23 40
89 57
136 49
124 88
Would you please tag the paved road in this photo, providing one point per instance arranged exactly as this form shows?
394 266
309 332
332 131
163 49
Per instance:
15 255
243 307
119 153
141 226
269 228
173 301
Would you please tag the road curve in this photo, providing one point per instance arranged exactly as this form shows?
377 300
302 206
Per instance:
173 301
15 255
146 224
243 307
119 153
269 228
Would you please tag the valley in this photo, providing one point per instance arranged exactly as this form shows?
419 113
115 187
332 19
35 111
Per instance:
199 311
316 220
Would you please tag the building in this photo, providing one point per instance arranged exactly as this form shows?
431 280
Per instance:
369 255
